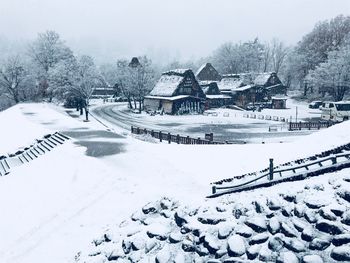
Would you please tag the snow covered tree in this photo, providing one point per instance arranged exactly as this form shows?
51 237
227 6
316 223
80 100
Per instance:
16 81
46 51
333 76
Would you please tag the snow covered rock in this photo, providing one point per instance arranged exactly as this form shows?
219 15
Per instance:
312 259
244 231
236 246
253 251
288 230
307 234
299 210
224 230
274 204
341 253
175 237
326 213
310 216
276 242
164 255
337 209
150 208
210 219
274 225
299 224
267 255
211 243
329 227
259 238
158 231
287 257
258 224
180 218
319 244
294 245
315 202
345 194
341 239
346 218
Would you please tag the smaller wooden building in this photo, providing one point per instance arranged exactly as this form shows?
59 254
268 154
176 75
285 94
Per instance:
208 72
279 102
176 92
214 98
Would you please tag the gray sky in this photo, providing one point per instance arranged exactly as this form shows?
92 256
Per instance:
166 29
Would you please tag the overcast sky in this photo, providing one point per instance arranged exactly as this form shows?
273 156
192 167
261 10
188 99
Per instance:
166 29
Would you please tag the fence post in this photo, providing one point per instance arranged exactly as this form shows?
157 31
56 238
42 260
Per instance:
309 125
213 189
271 169
132 129
152 133
169 137
188 140
160 136
334 160
177 139
299 125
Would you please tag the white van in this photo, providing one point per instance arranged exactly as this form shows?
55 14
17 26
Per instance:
335 111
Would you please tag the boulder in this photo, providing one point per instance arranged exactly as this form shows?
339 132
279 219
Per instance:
319 244
210 219
341 253
158 231
314 202
338 210
307 234
341 239
276 242
258 224
274 225
180 218
299 210
326 213
312 259
259 239
236 246
267 255
211 243
329 227
294 245
310 216
274 204
151 245
244 231
175 237
345 194
202 251
233 260
287 257
346 218
188 246
224 230
288 230
253 251
299 224
150 208
164 255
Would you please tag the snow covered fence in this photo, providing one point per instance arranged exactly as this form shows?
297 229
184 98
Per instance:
168 137
293 126
329 161
40 147
264 117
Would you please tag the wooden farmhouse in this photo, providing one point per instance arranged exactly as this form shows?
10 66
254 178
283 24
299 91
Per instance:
208 72
176 92
214 98
251 87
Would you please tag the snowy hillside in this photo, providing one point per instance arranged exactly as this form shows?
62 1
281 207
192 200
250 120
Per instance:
58 204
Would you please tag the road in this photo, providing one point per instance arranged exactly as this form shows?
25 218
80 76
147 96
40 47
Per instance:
251 132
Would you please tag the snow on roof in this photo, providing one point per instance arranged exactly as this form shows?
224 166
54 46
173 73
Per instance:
180 71
279 98
168 98
166 85
262 78
218 96
243 88
201 68
231 83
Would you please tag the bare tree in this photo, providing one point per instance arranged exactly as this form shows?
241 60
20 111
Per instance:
15 79
46 51
278 54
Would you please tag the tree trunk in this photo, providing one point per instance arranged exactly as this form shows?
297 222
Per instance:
86 114
129 101
140 105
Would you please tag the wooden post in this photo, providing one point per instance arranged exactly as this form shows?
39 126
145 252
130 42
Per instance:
160 136
138 130
299 125
169 137
199 140
188 140
132 129
152 133
178 139
271 170
213 189
334 160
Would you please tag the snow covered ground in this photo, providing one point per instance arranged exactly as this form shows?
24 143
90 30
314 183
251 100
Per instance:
226 124
57 204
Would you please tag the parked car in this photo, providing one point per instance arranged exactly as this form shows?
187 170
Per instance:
315 104
335 111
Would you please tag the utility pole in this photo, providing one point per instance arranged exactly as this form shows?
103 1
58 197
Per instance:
296 114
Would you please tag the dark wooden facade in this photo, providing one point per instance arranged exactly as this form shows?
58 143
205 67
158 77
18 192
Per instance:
208 72
176 92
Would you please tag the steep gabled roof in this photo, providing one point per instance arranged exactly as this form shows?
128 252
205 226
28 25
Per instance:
262 78
168 82
208 72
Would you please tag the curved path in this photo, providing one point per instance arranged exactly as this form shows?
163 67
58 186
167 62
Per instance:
256 131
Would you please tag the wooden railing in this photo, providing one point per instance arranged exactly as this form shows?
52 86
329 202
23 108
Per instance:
294 126
168 137
336 160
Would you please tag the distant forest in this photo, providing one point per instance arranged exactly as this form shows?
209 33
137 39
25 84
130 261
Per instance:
318 66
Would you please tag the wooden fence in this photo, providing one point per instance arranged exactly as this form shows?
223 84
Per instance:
294 126
168 137
336 160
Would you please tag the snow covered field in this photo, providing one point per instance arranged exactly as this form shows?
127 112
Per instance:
57 204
